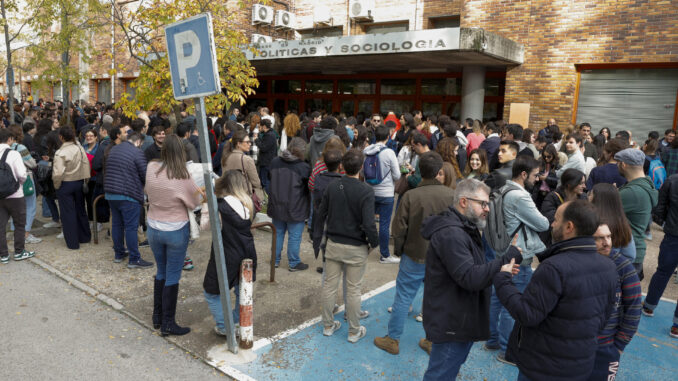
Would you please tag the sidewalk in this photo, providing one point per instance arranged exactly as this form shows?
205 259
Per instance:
52 331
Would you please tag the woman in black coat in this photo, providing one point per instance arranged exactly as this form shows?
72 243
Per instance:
236 210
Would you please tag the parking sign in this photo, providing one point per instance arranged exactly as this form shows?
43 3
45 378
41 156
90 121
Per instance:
192 57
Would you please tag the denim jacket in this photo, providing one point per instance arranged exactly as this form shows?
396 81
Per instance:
519 207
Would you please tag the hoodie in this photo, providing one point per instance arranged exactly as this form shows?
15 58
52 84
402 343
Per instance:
638 198
389 169
289 198
317 143
458 279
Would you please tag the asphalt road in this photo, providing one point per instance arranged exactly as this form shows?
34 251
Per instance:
52 331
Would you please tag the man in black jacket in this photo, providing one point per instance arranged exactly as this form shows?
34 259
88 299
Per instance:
666 213
507 153
457 280
347 208
332 159
268 148
566 303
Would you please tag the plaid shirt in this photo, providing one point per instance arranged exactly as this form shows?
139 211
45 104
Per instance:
670 160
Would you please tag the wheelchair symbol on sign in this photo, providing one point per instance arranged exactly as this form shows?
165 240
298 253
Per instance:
201 80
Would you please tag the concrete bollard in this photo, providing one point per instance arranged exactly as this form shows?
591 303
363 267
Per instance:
246 297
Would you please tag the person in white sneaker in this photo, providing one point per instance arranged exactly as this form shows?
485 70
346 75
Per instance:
29 186
12 202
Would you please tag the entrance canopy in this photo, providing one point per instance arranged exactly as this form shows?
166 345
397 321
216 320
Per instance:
431 50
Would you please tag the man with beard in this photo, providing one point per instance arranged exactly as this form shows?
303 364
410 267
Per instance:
153 151
457 279
569 298
521 219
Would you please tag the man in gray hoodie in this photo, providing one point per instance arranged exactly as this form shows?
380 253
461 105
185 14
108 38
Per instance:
385 189
321 134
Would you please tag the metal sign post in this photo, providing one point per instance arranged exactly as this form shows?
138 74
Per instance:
195 75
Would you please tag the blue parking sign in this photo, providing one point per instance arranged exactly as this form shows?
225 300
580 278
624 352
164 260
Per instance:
192 57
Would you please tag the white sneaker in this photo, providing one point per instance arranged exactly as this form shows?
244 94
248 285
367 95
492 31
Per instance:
362 331
390 309
419 317
52 224
32 239
60 235
390 259
331 330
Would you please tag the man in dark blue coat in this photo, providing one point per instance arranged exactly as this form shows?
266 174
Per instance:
457 280
566 303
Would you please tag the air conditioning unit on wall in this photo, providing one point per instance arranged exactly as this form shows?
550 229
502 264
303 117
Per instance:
261 39
284 20
361 9
322 15
262 14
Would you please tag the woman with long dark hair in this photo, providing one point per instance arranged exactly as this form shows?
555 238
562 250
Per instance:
608 203
70 171
236 211
477 166
171 192
547 180
571 187
607 171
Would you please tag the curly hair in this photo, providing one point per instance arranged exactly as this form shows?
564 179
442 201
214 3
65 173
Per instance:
446 148
292 125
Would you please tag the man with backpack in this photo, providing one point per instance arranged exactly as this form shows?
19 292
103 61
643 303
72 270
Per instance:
12 202
381 171
513 213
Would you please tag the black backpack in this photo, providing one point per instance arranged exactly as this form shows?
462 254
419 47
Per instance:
8 183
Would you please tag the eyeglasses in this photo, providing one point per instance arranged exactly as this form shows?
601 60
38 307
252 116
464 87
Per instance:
376 120
547 157
483 204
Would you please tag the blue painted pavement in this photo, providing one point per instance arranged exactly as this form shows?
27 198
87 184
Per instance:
308 355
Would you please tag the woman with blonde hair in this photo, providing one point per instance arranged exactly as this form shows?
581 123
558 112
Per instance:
448 149
171 193
475 138
291 129
235 157
236 211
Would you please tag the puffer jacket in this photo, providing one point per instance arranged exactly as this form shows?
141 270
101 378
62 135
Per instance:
125 171
558 317
289 199
458 278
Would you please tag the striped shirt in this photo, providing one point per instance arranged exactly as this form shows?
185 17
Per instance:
623 322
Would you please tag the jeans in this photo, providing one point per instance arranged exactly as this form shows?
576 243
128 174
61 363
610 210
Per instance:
124 228
169 250
52 206
383 206
490 254
606 364
410 278
293 240
74 221
263 177
46 212
522 377
31 210
214 304
501 322
446 359
666 263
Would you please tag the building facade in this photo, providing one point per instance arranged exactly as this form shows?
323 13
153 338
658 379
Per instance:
612 64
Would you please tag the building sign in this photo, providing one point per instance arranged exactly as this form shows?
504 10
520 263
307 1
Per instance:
397 42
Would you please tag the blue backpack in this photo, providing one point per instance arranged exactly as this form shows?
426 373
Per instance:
372 168
657 172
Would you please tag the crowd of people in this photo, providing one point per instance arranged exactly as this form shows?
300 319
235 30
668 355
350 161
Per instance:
468 204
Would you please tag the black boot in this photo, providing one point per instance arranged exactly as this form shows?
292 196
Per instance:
158 285
169 308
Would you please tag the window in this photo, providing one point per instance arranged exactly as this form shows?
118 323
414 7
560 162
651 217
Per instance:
493 86
104 91
386 28
366 107
357 87
398 86
318 105
56 92
441 86
286 87
336 31
396 106
347 107
263 87
319 87
431 108
444 22
129 89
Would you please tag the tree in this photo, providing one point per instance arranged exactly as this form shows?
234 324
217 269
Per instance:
64 30
142 26
19 16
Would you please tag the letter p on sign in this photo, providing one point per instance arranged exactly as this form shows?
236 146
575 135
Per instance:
188 46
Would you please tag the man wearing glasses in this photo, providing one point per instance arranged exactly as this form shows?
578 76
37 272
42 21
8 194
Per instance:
457 279
376 120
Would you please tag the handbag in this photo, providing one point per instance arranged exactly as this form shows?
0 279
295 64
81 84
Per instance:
256 201
29 188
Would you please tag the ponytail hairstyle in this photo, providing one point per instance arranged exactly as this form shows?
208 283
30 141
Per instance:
233 183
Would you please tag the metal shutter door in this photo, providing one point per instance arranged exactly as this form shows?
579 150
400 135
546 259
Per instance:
640 100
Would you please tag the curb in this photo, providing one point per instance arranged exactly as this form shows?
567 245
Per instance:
118 307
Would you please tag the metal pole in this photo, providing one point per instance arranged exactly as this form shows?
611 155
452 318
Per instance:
215 223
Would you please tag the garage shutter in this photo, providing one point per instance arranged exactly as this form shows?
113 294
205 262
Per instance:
640 100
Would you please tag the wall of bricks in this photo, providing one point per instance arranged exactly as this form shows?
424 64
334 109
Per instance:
559 34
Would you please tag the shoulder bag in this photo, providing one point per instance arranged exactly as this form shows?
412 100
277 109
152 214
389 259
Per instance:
256 201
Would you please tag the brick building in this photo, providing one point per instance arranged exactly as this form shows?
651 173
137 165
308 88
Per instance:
612 63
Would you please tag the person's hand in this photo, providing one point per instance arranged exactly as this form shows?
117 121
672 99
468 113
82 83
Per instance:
201 190
515 243
541 177
45 158
511 267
